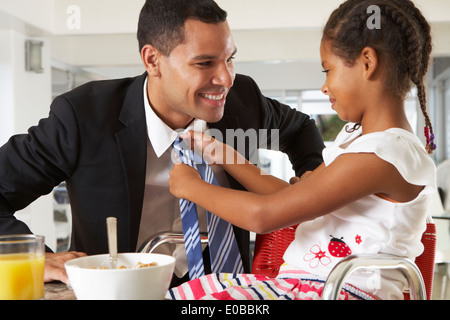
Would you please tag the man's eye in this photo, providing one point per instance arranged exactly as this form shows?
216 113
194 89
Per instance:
204 64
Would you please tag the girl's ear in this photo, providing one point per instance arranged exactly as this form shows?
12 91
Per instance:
369 58
150 57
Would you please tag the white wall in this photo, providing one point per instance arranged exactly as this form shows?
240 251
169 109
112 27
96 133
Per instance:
6 85
24 99
36 13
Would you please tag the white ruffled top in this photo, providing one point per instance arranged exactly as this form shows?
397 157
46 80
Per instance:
371 224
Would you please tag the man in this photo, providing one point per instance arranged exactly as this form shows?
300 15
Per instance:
111 140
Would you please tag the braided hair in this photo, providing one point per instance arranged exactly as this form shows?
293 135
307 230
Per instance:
403 42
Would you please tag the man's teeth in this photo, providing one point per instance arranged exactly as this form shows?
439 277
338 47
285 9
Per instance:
211 97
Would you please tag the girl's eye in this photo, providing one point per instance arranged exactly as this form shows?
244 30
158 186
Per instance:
326 71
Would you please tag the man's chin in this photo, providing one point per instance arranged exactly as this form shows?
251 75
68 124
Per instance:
214 118
213 115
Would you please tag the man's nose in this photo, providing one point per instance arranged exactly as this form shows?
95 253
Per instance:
224 76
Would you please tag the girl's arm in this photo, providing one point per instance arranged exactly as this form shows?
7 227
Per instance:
255 179
348 178
247 174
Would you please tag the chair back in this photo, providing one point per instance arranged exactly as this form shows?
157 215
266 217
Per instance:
425 262
270 248
269 251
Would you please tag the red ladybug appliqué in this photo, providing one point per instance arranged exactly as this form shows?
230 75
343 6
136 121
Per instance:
338 248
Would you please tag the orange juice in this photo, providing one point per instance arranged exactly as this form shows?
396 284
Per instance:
21 276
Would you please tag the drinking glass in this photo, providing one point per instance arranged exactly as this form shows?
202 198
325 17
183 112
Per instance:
22 260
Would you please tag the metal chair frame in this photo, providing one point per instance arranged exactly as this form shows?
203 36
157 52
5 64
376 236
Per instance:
167 237
339 274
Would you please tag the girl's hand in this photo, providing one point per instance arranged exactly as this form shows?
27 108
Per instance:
182 180
305 175
211 150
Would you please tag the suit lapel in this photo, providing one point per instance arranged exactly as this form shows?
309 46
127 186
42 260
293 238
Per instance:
132 143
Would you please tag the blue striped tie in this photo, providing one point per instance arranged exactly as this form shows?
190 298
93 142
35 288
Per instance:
223 248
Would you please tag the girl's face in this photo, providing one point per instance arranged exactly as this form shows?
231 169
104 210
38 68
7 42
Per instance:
343 85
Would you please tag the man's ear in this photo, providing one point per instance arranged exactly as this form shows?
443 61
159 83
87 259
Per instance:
369 58
151 58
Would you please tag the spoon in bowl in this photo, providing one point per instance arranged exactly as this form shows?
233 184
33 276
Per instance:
111 225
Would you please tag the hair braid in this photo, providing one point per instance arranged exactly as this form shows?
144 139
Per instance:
421 93
411 70
426 48
419 51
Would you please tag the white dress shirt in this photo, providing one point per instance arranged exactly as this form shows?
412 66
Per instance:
161 211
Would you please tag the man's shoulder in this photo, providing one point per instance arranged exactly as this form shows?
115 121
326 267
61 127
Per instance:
244 87
102 87
102 97
242 79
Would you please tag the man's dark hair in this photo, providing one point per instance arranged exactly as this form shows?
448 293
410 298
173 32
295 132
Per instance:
161 22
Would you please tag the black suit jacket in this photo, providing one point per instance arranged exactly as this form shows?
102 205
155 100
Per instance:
95 140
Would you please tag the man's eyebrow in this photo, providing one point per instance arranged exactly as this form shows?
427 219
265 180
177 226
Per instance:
210 57
204 57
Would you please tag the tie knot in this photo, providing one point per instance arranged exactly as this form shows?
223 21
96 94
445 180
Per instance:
186 155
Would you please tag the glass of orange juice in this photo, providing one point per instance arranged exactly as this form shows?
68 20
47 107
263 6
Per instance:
22 260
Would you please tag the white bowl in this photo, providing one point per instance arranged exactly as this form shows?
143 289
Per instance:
149 283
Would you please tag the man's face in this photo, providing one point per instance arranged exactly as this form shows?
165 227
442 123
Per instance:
197 75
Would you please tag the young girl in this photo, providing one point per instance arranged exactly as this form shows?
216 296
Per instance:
370 195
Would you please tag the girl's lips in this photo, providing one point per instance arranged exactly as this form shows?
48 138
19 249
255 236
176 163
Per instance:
332 103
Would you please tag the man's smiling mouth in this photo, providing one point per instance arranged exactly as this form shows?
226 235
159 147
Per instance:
212 96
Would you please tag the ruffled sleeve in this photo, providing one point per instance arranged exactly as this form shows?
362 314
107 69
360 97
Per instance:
399 147
403 150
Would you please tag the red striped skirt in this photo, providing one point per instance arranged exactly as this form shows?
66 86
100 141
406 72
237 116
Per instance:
290 284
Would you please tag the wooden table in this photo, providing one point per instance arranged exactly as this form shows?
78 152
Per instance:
58 291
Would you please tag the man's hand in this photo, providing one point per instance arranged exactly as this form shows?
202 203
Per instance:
54 265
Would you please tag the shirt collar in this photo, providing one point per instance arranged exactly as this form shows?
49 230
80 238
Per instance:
161 136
